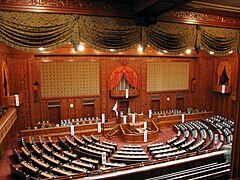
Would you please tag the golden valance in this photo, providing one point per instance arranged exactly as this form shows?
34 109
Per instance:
29 31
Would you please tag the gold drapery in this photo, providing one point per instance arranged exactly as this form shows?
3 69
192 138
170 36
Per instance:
172 37
29 31
105 33
219 40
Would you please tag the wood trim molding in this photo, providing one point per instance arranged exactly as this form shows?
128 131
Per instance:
191 17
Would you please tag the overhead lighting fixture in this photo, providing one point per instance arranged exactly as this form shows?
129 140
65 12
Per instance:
211 52
41 48
188 51
81 47
140 49
230 52
111 50
165 51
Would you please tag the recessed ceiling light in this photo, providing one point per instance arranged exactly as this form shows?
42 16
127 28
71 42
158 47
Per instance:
140 49
81 47
165 51
188 51
211 52
230 52
41 48
112 50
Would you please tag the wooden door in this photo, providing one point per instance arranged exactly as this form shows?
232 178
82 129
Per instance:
124 106
54 115
88 110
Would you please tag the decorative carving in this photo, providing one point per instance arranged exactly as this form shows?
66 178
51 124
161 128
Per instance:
75 5
200 18
223 78
122 93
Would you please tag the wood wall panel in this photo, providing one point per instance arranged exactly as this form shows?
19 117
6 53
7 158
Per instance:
44 110
202 69
20 73
64 109
78 106
71 110
97 107
225 103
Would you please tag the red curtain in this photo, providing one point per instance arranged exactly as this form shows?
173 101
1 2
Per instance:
128 72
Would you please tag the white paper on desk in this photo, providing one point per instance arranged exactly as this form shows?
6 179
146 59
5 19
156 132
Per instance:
126 93
133 118
145 125
104 157
99 128
216 139
223 89
16 99
124 119
72 130
103 118
145 136
150 113
183 118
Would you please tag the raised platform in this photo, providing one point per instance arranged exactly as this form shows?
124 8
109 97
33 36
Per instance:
134 133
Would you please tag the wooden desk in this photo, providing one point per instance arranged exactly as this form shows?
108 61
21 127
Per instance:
70 155
88 166
70 142
25 151
60 157
74 168
105 146
37 151
56 147
79 141
110 144
47 149
91 161
29 169
45 175
40 164
61 172
48 159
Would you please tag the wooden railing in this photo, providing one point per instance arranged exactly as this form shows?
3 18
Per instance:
7 129
168 121
113 132
81 129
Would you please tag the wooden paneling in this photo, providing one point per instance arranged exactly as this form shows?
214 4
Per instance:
78 106
7 130
64 109
71 108
202 70
225 103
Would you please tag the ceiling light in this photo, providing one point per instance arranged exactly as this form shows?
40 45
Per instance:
81 47
211 52
41 48
188 51
140 49
165 51
111 50
230 52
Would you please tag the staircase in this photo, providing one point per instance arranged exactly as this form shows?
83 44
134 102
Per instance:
114 132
